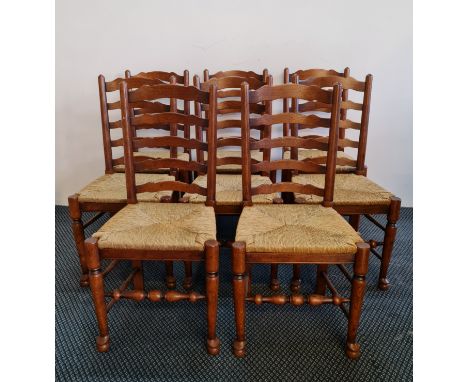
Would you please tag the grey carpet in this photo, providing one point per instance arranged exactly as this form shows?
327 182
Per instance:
165 342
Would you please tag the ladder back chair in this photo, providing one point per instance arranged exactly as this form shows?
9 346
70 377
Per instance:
355 194
295 234
229 162
168 231
107 194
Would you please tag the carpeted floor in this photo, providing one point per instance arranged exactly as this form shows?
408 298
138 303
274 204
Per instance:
165 342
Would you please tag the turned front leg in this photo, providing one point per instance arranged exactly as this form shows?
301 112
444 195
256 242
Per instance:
389 240
79 236
212 285
239 289
96 282
358 289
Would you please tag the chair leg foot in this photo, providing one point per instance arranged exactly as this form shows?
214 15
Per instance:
384 284
212 346
353 350
238 348
102 343
84 281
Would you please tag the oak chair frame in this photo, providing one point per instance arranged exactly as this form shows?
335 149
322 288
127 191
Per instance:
76 208
210 254
241 258
325 78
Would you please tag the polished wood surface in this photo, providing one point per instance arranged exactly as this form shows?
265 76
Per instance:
77 208
312 100
210 254
325 79
242 259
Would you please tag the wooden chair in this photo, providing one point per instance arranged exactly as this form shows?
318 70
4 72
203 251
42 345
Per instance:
107 194
159 231
229 162
295 234
355 194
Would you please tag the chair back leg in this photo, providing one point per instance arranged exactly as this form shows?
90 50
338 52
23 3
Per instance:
79 236
96 282
239 286
212 285
389 240
358 289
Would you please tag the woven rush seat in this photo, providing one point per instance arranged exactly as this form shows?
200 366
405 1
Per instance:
305 229
304 154
235 168
110 188
162 226
163 154
229 190
350 189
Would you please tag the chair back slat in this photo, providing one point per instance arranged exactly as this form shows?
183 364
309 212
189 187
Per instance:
171 185
163 76
236 73
152 142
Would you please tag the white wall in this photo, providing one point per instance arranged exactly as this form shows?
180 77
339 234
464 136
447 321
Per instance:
109 36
